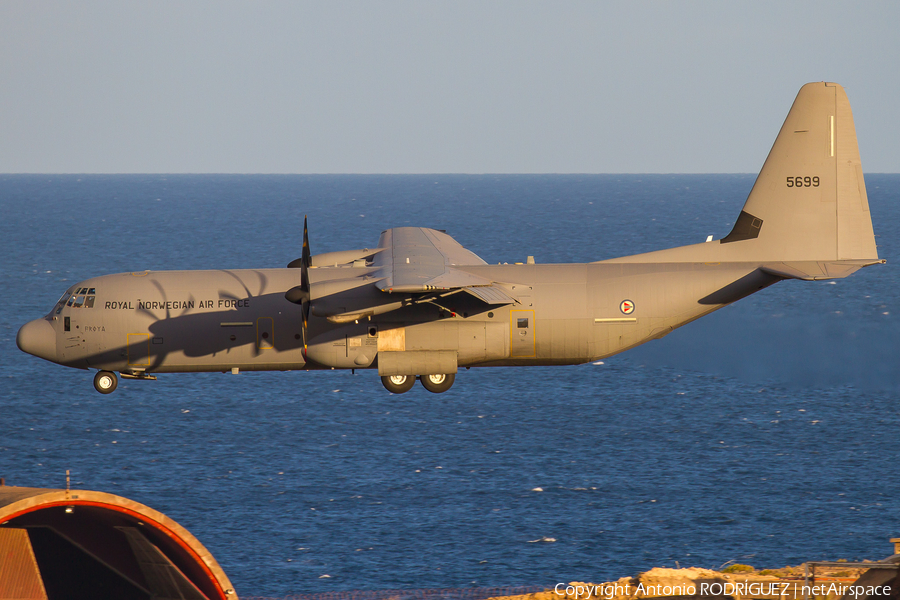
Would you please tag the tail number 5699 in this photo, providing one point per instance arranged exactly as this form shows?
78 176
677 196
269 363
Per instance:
802 182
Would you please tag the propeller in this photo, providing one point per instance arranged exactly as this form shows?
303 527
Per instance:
300 294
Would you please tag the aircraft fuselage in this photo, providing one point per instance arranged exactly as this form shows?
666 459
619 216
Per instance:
180 321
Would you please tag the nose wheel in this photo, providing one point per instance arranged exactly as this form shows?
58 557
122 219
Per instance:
105 382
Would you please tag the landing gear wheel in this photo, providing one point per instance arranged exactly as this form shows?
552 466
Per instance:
398 384
438 383
105 382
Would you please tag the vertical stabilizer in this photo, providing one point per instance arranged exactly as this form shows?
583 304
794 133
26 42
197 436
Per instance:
809 201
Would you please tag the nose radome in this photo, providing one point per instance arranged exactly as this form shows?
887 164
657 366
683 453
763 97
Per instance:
38 338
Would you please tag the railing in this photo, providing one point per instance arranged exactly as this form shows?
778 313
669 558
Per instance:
809 570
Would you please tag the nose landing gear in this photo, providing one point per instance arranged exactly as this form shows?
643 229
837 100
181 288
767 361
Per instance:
105 382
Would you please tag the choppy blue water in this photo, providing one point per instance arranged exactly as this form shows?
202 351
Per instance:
765 433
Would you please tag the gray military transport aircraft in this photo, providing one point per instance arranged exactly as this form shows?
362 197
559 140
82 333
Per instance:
419 305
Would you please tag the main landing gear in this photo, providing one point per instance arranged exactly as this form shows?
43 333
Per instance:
105 382
437 383
398 384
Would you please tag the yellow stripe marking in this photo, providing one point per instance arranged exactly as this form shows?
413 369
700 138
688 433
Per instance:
832 135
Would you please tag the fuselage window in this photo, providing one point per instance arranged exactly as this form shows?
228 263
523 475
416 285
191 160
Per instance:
522 323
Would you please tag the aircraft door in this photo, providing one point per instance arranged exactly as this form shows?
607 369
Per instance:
521 334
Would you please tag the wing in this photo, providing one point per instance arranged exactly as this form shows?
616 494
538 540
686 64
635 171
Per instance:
411 266
417 260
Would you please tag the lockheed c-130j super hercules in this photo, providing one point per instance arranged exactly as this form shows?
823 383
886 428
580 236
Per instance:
419 305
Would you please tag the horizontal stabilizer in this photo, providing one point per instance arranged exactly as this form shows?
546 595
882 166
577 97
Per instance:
743 287
812 270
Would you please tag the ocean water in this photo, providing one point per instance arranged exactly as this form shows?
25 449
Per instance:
766 433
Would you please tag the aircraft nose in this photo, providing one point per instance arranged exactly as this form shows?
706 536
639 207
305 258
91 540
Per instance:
38 338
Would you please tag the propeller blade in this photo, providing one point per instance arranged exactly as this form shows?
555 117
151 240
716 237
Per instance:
305 258
305 309
305 261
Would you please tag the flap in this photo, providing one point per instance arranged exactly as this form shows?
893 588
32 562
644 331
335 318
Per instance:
491 294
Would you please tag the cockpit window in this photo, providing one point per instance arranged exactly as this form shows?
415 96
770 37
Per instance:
81 298
61 302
